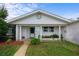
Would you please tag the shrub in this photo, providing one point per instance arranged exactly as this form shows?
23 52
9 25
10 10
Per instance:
54 36
46 36
9 40
35 41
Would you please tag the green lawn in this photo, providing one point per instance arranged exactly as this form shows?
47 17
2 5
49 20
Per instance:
8 50
54 48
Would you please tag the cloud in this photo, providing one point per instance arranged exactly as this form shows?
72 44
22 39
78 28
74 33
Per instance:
16 9
32 5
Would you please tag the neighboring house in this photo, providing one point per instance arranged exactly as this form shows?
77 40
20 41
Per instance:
40 23
72 32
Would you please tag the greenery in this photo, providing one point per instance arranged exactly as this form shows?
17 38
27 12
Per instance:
35 41
53 48
8 50
46 36
9 40
54 36
3 24
51 36
3 27
3 12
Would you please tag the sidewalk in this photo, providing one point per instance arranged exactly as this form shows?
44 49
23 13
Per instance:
23 49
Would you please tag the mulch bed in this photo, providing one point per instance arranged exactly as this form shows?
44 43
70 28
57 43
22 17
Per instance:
12 43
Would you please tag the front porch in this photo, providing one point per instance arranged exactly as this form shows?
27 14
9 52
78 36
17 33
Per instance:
38 31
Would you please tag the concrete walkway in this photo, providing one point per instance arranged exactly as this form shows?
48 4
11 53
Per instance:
23 48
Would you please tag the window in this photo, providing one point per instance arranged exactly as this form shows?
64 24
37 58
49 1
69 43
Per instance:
51 29
45 29
48 29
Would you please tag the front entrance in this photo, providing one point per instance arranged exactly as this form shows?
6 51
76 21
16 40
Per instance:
32 32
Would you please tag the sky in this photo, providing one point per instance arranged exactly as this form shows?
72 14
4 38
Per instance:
67 10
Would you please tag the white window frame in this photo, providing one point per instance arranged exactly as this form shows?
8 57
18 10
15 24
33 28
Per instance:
48 29
45 29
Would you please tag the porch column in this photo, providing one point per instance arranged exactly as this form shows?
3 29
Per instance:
40 32
20 33
17 32
59 32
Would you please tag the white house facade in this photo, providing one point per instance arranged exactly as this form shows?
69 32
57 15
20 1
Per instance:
72 32
40 23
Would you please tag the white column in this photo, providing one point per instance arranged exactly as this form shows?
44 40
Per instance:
17 32
59 32
36 32
40 32
20 33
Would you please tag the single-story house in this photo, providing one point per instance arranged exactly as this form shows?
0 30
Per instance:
72 32
39 23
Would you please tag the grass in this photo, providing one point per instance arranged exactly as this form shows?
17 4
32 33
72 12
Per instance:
53 48
8 50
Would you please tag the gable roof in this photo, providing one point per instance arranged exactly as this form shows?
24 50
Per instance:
75 21
41 11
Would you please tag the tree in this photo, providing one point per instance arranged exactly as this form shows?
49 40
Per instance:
3 12
3 24
3 27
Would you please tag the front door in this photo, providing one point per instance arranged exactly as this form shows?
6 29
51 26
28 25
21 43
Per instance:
32 32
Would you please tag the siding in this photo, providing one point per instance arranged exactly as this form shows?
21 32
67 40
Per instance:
25 32
72 32
45 19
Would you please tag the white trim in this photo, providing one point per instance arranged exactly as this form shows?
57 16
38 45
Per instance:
16 32
40 32
59 32
20 33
